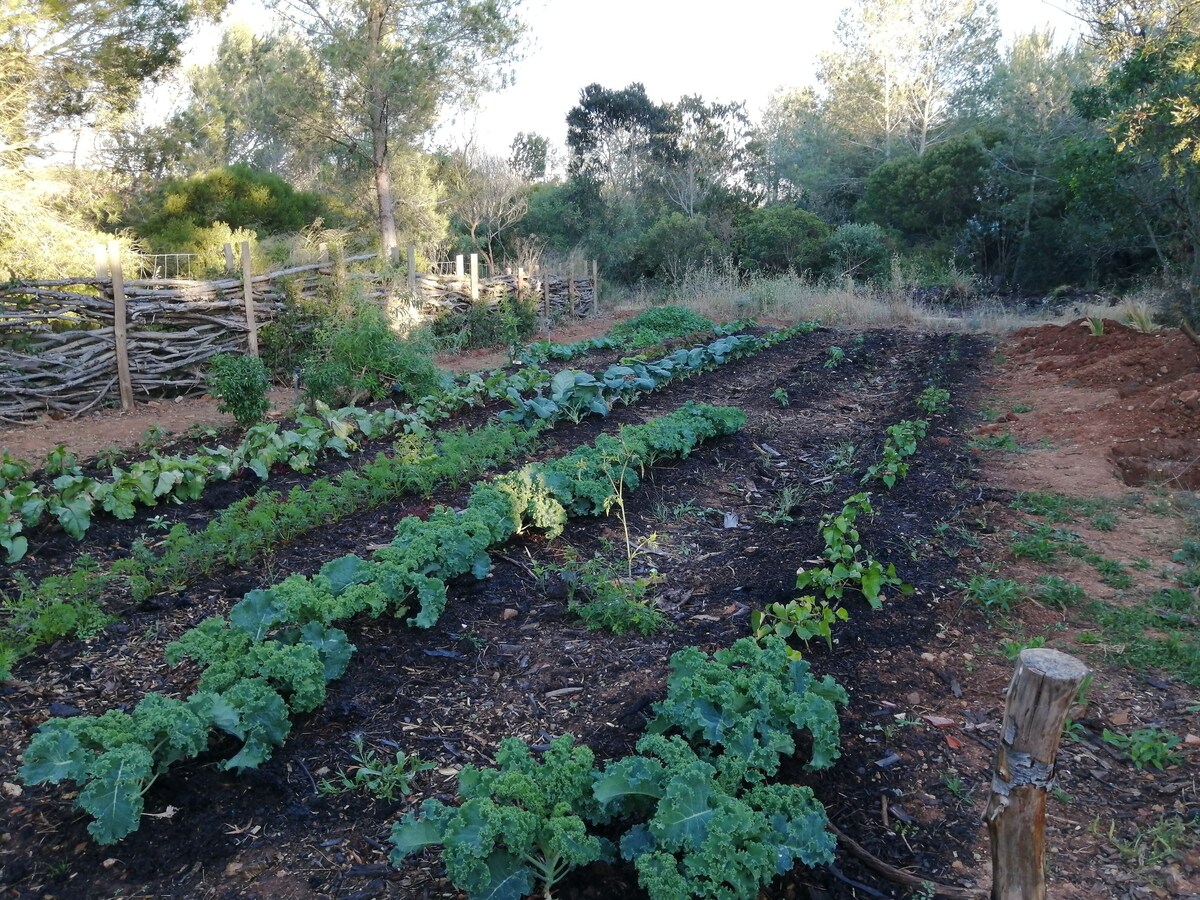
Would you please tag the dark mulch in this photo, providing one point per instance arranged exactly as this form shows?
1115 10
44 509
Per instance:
497 663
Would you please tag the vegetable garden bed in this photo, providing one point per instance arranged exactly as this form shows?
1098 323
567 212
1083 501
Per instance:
731 524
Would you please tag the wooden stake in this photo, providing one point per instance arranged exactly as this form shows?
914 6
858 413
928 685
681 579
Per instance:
120 325
571 287
248 293
520 282
546 296
230 265
412 269
474 277
1039 697
458 265
101 262
595 287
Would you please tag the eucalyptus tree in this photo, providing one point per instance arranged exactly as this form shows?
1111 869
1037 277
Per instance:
384 70
903 69
486 195
1149 106
702 151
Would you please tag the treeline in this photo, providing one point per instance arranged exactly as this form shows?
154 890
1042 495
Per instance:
924 145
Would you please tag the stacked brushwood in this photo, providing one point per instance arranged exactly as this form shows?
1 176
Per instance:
451 294
58 345
58 342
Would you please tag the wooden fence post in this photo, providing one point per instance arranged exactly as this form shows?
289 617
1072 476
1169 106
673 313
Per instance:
248 292
230 265
101 262
412 270
571 287
474 277
120 325
1043 687
458 265
595 287
546 295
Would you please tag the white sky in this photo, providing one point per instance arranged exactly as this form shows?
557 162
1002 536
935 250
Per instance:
725 52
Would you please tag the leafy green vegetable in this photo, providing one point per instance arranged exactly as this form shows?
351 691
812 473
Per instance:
520 824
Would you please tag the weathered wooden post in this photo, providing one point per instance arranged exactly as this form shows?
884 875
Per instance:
571 287
474 277
458 265
101 253
323 253
120 325
248 293
1043 687
595 287
546 296
230 265
520 282
412 270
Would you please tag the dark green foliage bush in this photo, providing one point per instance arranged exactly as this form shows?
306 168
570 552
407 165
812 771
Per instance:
361 356
781 238
929 197
508 324
240 385
675 245
658 324
239 196
861 251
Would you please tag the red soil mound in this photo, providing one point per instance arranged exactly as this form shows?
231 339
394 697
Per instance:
1156 425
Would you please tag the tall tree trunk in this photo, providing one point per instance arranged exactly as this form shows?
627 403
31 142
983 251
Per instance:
378 114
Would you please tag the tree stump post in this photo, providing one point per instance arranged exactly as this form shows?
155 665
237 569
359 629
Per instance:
120 325
1043 687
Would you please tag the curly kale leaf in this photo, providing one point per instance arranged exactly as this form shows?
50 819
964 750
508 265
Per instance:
519 824
259 719
705 838
742 707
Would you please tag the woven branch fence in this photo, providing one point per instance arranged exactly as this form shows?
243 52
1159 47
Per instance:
71 345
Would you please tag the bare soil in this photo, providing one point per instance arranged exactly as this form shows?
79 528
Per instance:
926 674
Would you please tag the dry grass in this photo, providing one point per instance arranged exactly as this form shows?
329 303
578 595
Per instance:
717 291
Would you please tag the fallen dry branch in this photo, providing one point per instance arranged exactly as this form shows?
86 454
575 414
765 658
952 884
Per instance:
899 876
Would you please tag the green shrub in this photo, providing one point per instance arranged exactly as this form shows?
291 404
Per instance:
239 196
776 239
862 252
674 246
361 356
510 323
240 384
658 324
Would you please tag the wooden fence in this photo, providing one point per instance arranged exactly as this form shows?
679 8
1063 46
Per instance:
69 345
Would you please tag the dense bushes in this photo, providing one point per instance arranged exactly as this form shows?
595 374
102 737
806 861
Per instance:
781 238
182 214
361 356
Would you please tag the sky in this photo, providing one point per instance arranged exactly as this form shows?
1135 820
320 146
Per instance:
740 51
727 52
